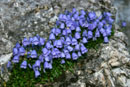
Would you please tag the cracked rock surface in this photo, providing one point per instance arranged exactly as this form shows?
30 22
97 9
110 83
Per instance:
25 18
107 67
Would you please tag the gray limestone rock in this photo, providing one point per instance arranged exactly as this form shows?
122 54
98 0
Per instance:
107 67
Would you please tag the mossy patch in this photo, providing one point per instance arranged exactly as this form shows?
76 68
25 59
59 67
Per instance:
25 78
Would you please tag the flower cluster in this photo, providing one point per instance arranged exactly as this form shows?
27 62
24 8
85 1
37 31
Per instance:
67 40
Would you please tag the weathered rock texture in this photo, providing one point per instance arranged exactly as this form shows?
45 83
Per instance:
123 14
25 18
107 67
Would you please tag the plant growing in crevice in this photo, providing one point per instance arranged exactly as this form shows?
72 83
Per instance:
36 60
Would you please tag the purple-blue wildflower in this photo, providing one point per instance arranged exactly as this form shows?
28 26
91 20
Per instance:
21 51
59 44
37 73
68 41
42 41
44 51
41 58
84 34
77 35
9 64
74 41
68 31
65 51
92 15
83 12
64 32
70 48
15 51
17 45
15 59
37 63
24 64
100 25
90 34
77 47
52 36
47 58
79 53
35 40
53 30
62 26
78 29
62 61
74 56
84 40
57 31
97 33
48 45
123 24
25 42
83 49
62 55
106 40
47 65
33 54
68 56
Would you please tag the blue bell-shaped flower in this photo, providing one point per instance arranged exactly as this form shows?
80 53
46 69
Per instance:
106 40
42 41
59 44
68 41
37 73
62 54
100 25
70 48
15 59
44 51
84 34
17 45
64 32
83 49
90 34
84 40
77 47
97 33
21 51
35 40
123 24
92 15
8 64
25 42
79 53
68 56
37 63
74 41
74 56
77 35
62 61
78 29
41 58
24 64
82 12
33 54
62 26
15 51
52 36
48 45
